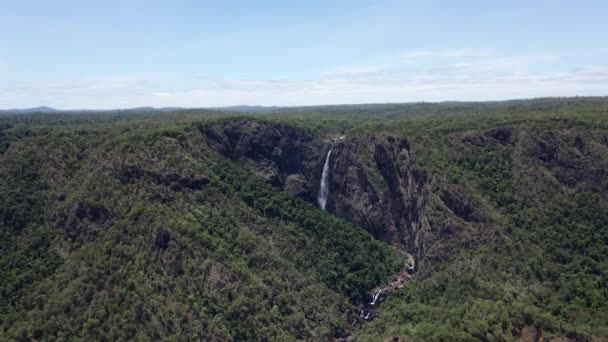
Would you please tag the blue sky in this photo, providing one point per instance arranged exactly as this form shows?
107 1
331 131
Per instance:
117 54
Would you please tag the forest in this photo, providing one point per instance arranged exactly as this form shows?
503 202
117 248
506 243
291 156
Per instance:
203 224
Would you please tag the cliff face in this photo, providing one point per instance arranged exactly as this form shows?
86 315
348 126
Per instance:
282 155
537 161
576 158
374 184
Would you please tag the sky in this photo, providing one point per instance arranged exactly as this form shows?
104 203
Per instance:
108 54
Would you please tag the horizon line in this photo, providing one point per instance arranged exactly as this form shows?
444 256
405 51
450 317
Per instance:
44 108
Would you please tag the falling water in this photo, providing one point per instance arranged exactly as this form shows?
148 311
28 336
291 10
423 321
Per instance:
324 191
375 296
365 315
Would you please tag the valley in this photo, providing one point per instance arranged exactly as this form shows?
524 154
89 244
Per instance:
424 221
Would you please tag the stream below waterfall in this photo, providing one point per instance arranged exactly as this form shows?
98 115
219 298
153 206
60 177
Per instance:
377 295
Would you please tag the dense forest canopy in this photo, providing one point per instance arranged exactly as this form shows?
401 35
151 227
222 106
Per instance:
202 224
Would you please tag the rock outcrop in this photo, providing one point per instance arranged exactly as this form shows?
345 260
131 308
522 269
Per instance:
377 185
374 183
575 157
282 155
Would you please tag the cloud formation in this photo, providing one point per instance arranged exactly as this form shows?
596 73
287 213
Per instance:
418 75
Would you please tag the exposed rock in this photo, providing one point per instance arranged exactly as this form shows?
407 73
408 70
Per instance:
296 185
539 160
402 204
351 193
270 151
374 183
458 204
576 158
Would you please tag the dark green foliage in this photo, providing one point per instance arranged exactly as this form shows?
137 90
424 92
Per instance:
550 268
144 234
124 226
348 260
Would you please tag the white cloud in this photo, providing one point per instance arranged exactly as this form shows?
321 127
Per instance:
457 75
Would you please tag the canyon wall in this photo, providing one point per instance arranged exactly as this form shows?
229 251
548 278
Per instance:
374 183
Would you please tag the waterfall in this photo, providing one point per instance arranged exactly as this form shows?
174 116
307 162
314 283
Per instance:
324 190
375 296
364 315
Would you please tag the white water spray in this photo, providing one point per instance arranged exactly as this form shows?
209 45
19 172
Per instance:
364 315
324 191
375 296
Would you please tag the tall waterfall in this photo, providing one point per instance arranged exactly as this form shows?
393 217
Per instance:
324 190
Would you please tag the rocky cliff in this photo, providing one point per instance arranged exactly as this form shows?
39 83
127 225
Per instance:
374 180
282 155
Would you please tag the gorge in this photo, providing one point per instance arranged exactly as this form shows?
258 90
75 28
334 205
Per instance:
485 226
376 185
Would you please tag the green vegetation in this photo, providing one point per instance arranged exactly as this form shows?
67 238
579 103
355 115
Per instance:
127 226
549 269
127 232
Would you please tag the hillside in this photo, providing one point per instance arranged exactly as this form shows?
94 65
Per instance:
479 221
120 234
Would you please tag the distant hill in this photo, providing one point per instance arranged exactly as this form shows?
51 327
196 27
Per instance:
41 109
365 109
